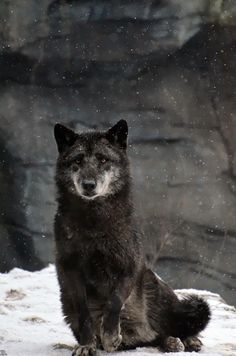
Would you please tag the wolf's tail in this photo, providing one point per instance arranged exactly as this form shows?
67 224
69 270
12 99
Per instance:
191 315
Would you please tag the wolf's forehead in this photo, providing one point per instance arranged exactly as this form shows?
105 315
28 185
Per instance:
94 147
103 148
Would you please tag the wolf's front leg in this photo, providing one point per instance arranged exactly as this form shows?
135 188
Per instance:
79 317
84 333
110 327
110 333
81 350
86 337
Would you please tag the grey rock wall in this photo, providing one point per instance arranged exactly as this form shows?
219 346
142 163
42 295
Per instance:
168 67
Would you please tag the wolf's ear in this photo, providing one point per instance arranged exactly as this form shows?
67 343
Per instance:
64 137
118 134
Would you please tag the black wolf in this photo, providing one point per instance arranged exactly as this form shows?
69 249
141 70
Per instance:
110 298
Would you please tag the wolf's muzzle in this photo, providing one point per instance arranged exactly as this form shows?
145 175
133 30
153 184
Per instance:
88 186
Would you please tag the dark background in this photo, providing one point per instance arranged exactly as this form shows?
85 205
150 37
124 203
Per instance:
168 68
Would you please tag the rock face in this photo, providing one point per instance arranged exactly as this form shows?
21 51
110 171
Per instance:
168 67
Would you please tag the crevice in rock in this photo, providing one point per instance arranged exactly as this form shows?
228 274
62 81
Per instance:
190 261
211 276
24 230
158 140
224 139
16 248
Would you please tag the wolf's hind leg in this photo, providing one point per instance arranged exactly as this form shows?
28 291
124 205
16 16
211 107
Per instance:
192 344
173 344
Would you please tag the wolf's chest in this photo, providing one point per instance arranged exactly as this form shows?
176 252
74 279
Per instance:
101 270
100 265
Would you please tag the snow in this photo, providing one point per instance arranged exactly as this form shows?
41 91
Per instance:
31 322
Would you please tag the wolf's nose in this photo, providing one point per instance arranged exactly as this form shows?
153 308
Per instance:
89 185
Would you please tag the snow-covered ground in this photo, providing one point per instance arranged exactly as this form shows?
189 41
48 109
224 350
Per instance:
31 323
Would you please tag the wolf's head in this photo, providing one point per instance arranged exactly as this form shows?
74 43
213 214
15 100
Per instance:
92 164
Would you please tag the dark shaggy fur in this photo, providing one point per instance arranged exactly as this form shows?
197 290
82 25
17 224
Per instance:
110 298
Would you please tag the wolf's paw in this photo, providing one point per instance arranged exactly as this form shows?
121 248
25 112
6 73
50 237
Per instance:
84 351
110 341
173 344
192 344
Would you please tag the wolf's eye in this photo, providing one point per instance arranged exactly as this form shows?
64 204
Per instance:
79 160
102 159
76 164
